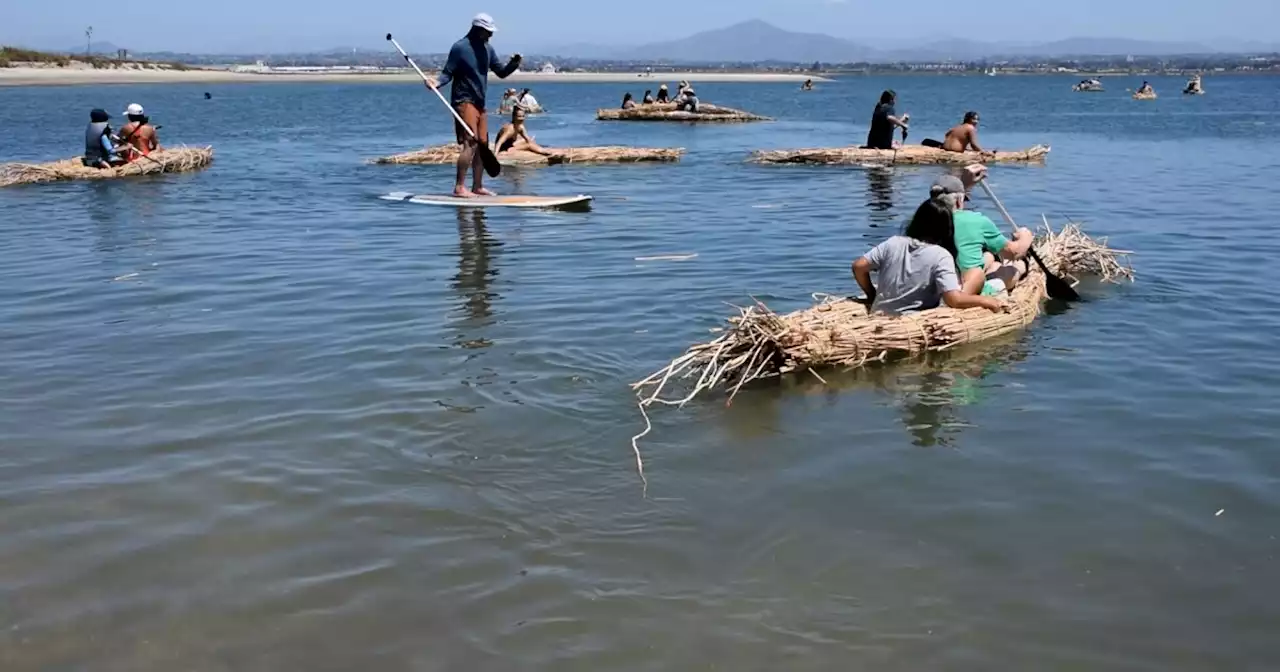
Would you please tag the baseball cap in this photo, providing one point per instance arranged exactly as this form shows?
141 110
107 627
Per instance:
485 21
134 110
946 184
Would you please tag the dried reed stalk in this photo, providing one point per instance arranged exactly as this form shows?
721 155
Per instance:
168 160
759 343
910 154
668 112
448 154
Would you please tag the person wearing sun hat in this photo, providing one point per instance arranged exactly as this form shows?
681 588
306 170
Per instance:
100 151
138 136
470 61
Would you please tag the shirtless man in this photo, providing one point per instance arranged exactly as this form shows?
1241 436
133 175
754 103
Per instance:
470 61
964 137
139 136
515 137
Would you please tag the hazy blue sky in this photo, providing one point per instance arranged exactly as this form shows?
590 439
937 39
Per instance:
429 25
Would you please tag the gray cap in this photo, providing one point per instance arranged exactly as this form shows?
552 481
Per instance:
946 184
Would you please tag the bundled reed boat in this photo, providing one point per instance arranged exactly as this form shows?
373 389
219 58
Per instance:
448 154
838 332
1150 95
909 154
168 160
668 112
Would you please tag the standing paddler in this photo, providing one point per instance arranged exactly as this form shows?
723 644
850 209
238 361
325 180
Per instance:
470 61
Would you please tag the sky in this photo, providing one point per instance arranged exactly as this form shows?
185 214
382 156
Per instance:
263 26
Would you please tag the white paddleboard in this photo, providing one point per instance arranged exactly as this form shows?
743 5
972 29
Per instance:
489 201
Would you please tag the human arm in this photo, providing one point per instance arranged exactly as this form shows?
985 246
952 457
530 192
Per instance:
862 273
451 64
973 140
532 146
955 296
1019 246
503 71
900 123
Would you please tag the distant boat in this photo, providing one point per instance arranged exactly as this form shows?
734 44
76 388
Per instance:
1088 86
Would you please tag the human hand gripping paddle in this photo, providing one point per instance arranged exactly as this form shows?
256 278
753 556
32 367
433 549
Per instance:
1056 287
491 165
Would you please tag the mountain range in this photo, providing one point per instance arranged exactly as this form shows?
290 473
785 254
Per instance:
760 41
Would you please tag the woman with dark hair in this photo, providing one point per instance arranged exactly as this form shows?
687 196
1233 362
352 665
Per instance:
917 270
648 97
883 122
628 101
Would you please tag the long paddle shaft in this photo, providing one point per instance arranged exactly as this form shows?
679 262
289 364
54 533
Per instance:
490 161
1056 287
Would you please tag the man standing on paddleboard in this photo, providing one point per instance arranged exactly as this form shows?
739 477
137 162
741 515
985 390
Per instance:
467 68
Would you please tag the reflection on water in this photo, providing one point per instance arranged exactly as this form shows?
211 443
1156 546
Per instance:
476 252
879 195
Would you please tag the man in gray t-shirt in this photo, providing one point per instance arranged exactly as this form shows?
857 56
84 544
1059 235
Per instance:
913 275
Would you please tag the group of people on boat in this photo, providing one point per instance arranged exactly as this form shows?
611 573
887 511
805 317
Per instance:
1193 86
686 98
885 121
511 100
106 148
947 255
1145 89
1088 85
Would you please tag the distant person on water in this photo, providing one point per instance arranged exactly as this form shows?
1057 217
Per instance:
808 85
1145 88
980 246
917 270
964 136
515 137
884 121
662 94
508 102
470 61
648 97
100 150
627 101
138 137
687 100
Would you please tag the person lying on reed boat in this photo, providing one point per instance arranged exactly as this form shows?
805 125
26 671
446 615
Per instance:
648 97
138 137
884 121
981 250
515 137
917 270
100 149
964 137
628 102
688 100
662 94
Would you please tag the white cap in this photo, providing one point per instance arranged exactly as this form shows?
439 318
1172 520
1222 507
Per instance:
485 21
134 110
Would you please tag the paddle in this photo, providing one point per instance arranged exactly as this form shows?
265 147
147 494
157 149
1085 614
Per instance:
1056 287
491 165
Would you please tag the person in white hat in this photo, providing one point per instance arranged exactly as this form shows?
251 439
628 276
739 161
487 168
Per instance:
139 136
470 61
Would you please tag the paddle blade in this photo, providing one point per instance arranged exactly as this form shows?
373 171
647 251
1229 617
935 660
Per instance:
1056 287
491 165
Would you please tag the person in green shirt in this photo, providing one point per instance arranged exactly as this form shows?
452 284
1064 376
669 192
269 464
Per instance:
980 247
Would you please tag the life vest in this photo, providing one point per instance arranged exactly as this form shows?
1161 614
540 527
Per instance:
93 151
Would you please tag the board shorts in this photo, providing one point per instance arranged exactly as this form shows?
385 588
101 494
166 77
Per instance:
476 118
998 280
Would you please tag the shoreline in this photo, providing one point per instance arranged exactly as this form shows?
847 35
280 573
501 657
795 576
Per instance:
79 77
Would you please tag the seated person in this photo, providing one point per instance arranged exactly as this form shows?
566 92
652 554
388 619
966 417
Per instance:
138 137
662 94
980 246
917 271
100 150
688 100
964 137
627 101
648 97
515 137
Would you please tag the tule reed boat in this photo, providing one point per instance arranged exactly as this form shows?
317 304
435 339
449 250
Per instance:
909 155
668 112
448 154
168 160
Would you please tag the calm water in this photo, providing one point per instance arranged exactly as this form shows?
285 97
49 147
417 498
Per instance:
254 418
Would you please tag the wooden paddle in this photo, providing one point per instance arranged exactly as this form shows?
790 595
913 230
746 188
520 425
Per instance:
491 165
1056 287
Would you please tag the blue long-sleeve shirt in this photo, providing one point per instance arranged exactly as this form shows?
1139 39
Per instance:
468 67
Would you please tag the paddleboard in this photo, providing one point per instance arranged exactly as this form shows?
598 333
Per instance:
490 201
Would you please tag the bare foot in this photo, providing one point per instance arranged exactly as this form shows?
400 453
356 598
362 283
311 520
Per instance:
481 191
463 192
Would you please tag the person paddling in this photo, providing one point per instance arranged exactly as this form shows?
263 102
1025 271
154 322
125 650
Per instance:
470 61
138 137
883 122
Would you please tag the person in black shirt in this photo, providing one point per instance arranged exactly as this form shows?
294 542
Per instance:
883 122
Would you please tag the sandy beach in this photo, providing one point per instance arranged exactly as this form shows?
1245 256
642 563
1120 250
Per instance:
65 77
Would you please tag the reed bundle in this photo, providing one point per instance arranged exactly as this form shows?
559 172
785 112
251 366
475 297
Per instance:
668 112
1145 96
839 332
448 154
168 160
909 154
